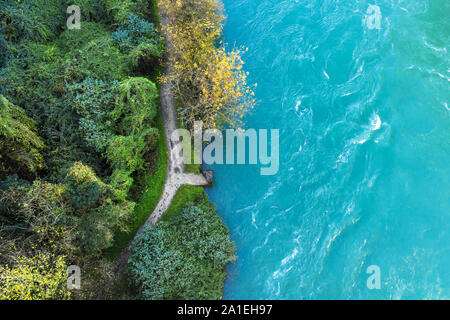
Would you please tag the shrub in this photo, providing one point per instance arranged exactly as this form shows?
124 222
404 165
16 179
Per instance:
152 138
97 228
182 258
4 54
122 9
145 58
36 82
134 32
125 152
36 20
35 78
91 10
84 189
75 39
78 216
19 145
93 101
101 210
17 126
137 105
12 180
126 155
98 59
38 215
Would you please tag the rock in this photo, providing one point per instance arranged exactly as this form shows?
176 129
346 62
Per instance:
209 176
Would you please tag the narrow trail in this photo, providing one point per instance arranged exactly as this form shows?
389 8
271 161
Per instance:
175 176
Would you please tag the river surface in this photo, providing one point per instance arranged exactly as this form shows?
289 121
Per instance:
364 180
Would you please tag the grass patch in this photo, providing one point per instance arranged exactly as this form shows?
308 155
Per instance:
189 168
192 167
185 194
149 200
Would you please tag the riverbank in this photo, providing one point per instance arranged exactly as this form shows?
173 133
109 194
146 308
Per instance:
181 186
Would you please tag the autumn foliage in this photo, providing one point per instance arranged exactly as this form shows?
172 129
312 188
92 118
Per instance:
209 81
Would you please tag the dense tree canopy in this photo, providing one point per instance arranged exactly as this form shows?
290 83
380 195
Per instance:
76 113
78 118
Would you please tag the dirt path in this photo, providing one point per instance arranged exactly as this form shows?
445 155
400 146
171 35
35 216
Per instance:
176 175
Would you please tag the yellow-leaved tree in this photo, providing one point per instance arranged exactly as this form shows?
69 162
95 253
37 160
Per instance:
42 277
209 81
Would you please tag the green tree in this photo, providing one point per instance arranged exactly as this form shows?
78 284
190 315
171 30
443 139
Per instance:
19 145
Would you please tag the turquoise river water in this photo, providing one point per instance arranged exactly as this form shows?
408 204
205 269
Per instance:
364 178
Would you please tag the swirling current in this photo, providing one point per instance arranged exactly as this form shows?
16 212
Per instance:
360 93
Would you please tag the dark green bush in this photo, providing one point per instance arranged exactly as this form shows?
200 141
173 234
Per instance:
182 258
84 188
38 216
152 138
20 145
97 59
121 10
77 38
91 11
145 58
3 48
133 32
35 20
93 101
79 215
137 105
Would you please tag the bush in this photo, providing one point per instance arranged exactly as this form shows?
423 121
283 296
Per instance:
77 216
97 228
39 216
84 189
91 10
145 58
76 39
36 82
101 209
93 101
36 20
134 32
152 139
126 155
137 106
122 9
182 258
20 145
98 59
126 152
4 54
35 78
